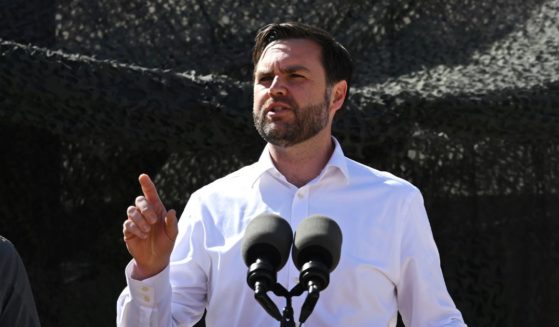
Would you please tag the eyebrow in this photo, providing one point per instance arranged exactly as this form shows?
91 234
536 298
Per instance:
286 70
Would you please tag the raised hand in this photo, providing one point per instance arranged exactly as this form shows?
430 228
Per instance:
149 231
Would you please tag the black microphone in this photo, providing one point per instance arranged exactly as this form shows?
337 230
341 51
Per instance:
316 253
265 249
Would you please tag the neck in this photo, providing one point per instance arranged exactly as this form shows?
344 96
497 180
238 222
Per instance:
302 162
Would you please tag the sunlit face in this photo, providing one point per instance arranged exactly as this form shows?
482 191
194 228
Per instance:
291 98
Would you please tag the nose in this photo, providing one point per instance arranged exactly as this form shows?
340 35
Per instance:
277 88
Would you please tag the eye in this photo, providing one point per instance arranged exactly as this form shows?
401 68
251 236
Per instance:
264 78
295 75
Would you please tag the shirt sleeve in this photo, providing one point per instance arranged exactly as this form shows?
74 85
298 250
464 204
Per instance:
146 302
423 299
177 295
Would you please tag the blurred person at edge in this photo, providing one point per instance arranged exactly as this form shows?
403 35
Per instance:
389 260
17 306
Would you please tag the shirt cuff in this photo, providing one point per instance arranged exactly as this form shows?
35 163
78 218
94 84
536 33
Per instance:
150 291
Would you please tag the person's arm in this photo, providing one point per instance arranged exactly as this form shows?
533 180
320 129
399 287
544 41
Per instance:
17 306
423 299
149 232
175 294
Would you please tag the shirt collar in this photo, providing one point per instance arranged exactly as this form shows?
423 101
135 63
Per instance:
337 161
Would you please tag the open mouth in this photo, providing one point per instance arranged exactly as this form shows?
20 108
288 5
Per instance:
277 108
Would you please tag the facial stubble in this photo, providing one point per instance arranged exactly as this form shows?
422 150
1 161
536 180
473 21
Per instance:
308 121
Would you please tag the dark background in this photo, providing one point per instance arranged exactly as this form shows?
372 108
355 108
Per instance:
461 98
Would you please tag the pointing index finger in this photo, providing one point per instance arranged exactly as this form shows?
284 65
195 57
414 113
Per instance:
149 190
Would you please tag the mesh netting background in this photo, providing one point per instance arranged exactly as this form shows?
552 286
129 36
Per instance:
459 97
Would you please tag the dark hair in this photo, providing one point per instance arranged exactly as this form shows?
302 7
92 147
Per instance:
336 60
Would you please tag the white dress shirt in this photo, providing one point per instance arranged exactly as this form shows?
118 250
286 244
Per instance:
389 260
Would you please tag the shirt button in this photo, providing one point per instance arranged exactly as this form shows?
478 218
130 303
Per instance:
300 195
147 299
145 289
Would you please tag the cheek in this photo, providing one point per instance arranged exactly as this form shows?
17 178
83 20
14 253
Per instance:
259 97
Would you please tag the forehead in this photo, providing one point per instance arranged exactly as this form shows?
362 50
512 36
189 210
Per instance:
289 52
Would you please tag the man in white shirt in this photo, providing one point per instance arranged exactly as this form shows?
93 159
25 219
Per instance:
389 261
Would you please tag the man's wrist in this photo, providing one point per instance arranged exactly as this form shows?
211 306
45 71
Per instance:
140 272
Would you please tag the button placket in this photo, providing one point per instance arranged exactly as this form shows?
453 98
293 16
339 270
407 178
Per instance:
299 211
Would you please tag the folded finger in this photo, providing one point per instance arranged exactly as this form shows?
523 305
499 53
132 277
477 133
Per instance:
136 216
146 209
131 230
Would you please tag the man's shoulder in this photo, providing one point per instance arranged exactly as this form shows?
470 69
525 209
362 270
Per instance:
6 247
234 181
9 257
364 174
228 193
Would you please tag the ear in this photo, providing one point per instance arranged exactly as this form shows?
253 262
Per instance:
337 97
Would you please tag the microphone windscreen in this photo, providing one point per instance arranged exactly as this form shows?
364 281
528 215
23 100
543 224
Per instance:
269 237
317 238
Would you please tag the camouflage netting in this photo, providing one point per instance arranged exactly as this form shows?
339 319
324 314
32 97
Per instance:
460 97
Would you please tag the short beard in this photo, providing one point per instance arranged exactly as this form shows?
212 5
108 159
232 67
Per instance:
308 122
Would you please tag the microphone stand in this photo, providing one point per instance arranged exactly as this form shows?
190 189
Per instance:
287 319
314 278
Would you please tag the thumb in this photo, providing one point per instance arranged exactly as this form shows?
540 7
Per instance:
171 225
